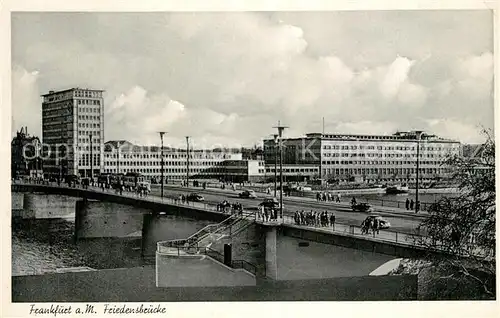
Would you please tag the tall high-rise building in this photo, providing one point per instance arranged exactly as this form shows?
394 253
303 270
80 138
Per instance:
72 132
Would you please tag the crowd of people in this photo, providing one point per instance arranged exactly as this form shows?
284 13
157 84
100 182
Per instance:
314 218
410 204
227 207
328 197
370 224
267 214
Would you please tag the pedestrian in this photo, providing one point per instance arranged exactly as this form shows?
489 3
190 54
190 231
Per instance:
412 204
407 204
353 201
332 221
338 197
375 226
418 206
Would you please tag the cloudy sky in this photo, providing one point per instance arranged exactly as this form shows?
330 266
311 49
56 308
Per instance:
227 78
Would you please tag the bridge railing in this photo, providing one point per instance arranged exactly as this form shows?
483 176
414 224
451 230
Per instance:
356 230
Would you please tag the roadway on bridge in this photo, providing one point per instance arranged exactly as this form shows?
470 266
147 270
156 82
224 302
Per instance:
405 224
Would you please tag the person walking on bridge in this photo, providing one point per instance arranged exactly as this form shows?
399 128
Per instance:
407 204
332 221
412 204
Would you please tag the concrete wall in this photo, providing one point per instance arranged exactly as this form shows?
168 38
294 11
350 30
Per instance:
41 206
197 271
365 244
95 219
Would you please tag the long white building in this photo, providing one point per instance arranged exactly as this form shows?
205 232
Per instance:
121 156
364 158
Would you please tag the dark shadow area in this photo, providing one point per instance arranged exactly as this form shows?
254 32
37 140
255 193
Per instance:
138 285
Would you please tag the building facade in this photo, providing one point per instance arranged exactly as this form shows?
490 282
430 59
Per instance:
73 132
121 156
367 158
25 155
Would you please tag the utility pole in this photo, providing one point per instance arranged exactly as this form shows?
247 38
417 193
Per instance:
187 161
280 141
91 160
419 135
161 154
275 162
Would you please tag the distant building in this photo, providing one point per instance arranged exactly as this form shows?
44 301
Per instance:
25 155
73 132
121 156
362 158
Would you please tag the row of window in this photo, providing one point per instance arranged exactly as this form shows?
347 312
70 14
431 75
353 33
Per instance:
372 147
88 102
379 155
165 163
386 171
87 117
85 93
87 140
385 162
89 132
297 170
168 156
166 170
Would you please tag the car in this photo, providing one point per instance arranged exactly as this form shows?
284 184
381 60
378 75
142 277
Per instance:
383 223
247 194
270 203
195 197
362 207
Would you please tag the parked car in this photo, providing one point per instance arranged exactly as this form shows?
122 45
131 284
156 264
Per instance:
362 207
383 223
250 194
270 203
195 197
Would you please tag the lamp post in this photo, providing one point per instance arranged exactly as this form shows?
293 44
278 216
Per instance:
187 161
275 162
280 142
161 164
419 135
91 160
117 158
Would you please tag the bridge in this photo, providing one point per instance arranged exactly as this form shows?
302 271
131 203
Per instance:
205 210
210 240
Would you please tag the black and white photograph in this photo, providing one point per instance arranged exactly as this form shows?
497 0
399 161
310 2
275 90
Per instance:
250 156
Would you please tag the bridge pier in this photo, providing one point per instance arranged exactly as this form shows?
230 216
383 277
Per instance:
29 206
272 252
109 235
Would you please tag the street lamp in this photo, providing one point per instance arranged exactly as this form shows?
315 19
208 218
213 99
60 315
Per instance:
187 161
275 162
280 141
419 135
161 154
91 160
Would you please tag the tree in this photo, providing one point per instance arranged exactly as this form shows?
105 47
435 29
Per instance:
462 228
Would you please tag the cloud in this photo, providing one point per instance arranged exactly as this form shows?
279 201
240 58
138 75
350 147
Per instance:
450 128
26 101
229 77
